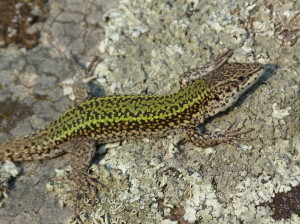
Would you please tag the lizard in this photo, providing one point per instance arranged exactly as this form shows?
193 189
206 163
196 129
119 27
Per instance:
204 92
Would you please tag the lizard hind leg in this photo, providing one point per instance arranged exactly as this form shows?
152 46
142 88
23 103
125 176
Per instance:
84 76
82 148
83 183
85 150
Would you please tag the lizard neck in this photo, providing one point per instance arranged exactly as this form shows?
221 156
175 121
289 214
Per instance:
193 101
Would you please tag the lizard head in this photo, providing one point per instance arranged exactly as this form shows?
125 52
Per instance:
228 83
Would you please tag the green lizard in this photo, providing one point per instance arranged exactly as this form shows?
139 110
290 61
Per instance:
204 92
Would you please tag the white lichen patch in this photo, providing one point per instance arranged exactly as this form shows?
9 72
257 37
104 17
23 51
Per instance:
67 88
8 170
280 113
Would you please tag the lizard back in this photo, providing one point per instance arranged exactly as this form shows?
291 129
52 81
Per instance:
113 118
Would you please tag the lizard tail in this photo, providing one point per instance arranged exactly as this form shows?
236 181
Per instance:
32 147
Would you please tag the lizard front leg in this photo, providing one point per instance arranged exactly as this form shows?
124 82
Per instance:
191 75
228 136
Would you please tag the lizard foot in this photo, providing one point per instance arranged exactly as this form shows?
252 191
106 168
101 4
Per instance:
84 187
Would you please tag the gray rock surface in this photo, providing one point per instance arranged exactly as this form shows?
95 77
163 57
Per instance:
147 45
